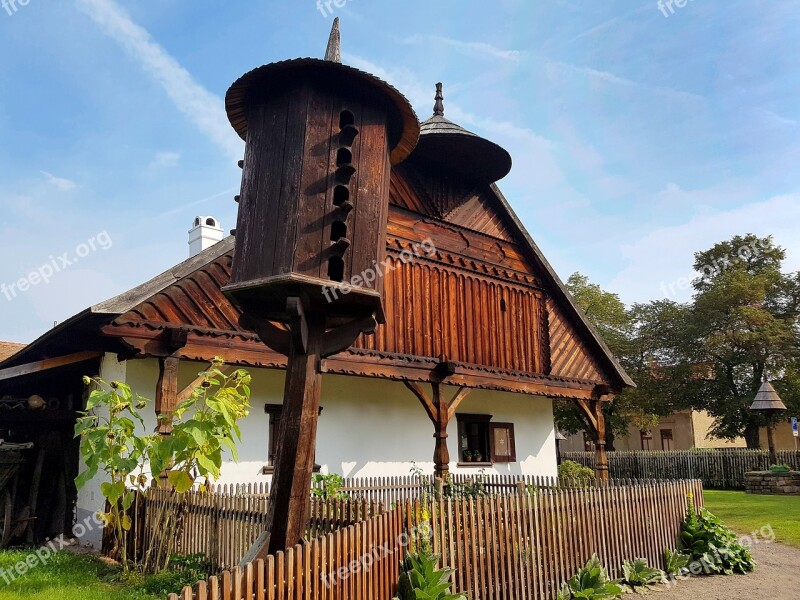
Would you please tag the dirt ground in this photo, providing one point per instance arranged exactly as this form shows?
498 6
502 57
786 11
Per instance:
777 577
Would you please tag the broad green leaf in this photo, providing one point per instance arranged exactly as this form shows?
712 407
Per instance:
180 480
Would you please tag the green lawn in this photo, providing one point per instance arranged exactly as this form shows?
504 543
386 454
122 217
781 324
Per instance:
746 513
66 576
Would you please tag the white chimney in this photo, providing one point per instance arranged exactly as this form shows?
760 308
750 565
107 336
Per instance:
205 233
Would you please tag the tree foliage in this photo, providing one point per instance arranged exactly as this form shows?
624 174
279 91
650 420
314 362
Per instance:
711 353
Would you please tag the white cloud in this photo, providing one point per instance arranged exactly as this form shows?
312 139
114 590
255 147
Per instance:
164 160
774 119
199 105
60 183
480 49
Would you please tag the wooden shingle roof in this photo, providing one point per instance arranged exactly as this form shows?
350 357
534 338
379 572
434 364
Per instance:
8 349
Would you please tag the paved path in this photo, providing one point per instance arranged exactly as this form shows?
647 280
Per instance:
777 577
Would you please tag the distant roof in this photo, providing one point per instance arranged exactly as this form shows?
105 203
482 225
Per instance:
8 349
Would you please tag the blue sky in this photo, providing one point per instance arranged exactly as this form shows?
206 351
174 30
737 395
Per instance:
637 138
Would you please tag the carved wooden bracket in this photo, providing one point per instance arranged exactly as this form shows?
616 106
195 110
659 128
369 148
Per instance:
175 338
592 411
440 412
334 340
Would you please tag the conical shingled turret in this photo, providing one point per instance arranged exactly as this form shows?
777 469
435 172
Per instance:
767 399
462 152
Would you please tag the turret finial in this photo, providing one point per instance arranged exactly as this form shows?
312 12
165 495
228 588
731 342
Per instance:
438 109
334 51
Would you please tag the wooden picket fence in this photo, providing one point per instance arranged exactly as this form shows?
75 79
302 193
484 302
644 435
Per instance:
527 545
520 545
225 522
722 469
321 569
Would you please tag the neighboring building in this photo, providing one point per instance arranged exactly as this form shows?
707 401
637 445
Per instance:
472 308
684 430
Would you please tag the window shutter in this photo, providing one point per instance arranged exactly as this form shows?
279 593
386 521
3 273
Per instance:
501 442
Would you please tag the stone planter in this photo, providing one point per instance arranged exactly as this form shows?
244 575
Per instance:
766 482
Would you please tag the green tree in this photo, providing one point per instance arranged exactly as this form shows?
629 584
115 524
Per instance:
742 325
617 326
745 328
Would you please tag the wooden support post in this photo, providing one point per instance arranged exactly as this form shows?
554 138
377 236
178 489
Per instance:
166 393
600 455
773 454
441 454
166 402
596 423
440 412
289 506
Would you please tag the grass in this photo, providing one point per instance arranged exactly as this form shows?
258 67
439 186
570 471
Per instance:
68 576
746 513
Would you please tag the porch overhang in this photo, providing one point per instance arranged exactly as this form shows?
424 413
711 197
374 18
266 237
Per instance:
151 340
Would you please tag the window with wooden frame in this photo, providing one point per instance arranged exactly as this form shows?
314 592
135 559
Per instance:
481 442
647 439
666 439
274 411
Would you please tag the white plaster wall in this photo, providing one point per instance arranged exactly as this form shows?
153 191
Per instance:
368 428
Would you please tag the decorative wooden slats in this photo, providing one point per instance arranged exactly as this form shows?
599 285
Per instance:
569 353
521 544
436 311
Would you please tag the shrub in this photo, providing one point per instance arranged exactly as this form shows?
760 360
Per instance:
591 582
706 540
638 577
572 473
676 562
776 469
422 580
328 487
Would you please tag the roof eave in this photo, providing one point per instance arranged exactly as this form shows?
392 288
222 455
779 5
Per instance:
113 307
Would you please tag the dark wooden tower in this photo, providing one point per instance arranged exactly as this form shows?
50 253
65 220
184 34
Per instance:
321 139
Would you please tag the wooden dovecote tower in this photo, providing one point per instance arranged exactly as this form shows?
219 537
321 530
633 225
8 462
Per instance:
321 139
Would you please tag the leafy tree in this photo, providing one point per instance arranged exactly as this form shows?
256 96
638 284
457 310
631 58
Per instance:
742 325
744 328
617 325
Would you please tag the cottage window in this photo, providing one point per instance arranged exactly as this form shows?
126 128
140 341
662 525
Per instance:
274 411
483 442
647 440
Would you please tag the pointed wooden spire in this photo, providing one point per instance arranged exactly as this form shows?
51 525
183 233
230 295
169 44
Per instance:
438 109
334 51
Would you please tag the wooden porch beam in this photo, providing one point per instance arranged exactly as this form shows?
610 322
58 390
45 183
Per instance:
462 393
47 364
